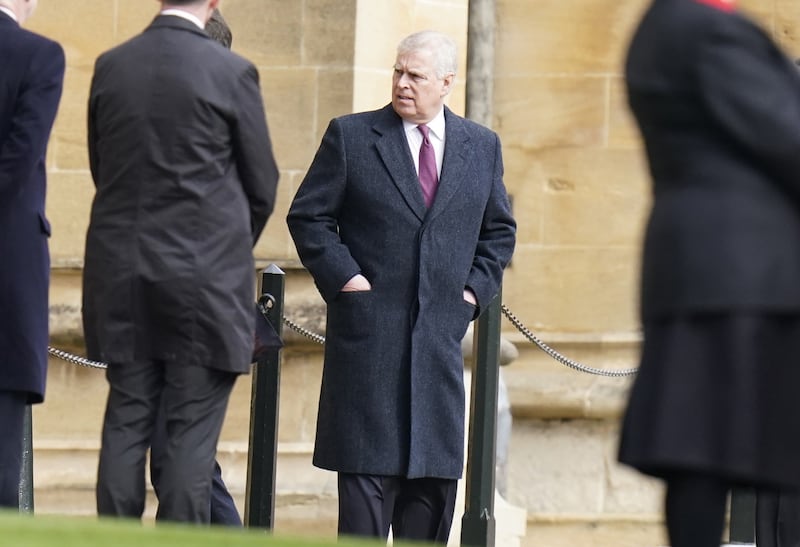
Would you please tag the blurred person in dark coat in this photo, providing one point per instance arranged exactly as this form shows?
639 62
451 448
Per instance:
714 403
403 271
223 508
778 512
31 81
778 518
182 161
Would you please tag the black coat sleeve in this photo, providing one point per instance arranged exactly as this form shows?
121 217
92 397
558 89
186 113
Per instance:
255 161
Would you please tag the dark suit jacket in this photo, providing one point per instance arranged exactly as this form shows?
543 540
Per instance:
392 400
185 176
719 111
30 89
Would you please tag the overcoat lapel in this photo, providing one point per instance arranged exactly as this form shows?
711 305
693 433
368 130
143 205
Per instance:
455 165
393 149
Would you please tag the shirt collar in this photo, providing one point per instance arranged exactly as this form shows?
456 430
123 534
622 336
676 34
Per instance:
184 15
9 13
436 125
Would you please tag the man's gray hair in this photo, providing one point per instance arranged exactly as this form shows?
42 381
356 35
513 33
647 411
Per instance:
218 29
445 52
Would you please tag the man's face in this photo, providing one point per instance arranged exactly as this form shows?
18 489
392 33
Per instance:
417 93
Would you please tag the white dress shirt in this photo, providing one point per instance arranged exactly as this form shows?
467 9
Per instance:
436 136
185 15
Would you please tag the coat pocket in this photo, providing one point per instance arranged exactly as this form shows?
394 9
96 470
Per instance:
351 315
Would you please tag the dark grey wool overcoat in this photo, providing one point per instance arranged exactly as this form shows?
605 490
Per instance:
392 398
181 157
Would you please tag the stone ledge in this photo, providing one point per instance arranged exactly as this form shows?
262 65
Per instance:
539 387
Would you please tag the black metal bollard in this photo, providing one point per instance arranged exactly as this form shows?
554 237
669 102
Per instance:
743 516
478 523
259 511
26 475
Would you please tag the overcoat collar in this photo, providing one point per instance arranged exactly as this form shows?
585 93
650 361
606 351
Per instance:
393 149
179 23
6 20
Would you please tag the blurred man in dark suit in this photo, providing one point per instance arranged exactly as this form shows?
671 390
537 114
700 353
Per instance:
31 80
182 161
715 402
223 508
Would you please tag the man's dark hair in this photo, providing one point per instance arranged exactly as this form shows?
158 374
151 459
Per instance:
219 30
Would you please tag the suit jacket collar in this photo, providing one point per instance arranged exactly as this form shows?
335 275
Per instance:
5 19
175 22
393 149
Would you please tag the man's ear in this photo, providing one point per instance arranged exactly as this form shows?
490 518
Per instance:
448 83
210 7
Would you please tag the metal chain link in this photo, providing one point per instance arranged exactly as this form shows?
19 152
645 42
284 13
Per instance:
75 359
561 358
320 339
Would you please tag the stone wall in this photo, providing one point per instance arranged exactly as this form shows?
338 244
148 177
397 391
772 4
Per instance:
574 168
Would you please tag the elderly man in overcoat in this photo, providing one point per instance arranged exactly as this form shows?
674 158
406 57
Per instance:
405 246
31 80
182 160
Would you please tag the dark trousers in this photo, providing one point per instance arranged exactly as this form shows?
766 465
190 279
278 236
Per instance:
778 518
223 508
695 509
416 509
195 401
12 418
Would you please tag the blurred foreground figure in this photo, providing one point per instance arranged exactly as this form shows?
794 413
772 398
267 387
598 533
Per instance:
223 507
31 79
715 401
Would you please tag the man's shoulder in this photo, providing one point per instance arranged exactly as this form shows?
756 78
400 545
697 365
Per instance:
30 53
26 39
363 117
227 58
472 128
120 49
367 119
213 55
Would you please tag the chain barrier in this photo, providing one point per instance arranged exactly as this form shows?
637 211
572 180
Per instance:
320 339
75 359
566 361
313 336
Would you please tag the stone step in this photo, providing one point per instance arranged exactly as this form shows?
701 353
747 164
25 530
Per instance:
65 473
72 464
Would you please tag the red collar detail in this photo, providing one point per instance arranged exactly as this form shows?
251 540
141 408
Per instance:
724 5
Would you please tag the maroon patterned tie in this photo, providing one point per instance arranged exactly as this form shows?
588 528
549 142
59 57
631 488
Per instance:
428 174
